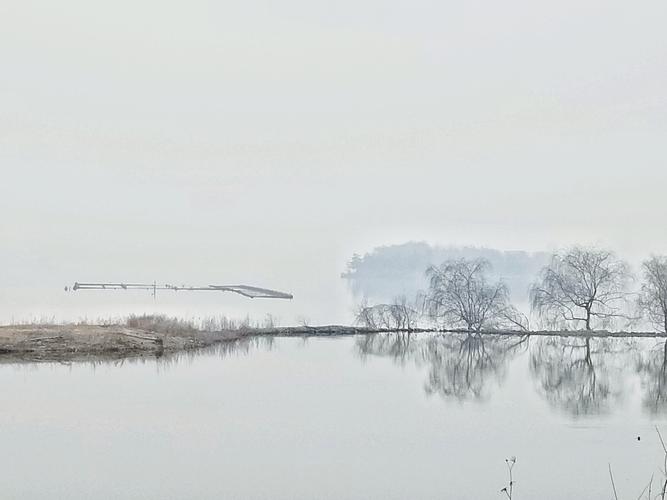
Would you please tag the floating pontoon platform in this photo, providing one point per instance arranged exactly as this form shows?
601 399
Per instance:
252 292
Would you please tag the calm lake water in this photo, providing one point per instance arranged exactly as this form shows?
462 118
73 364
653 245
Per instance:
370 417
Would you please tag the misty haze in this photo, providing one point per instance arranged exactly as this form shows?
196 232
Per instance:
351 250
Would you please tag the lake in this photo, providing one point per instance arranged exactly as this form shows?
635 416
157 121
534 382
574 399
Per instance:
387 416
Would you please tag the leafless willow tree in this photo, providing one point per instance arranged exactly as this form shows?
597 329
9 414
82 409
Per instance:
581 284
653 296
399 315
460 296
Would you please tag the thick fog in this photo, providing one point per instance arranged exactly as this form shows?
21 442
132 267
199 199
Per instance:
265 143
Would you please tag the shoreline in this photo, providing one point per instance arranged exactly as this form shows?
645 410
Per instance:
67 343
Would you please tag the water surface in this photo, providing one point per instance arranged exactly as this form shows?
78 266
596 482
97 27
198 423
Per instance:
383 416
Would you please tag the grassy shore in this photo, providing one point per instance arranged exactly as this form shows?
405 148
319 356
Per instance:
138 336
150 336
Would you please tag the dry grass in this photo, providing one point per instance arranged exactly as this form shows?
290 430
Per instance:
164 324
161 324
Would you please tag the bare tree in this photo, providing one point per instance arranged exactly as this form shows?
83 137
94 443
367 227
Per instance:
460 296
581 284
366 315
513 319
653 296
399 315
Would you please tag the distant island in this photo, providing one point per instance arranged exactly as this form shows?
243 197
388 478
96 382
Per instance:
393 270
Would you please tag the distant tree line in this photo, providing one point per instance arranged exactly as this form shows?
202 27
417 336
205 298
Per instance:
578 288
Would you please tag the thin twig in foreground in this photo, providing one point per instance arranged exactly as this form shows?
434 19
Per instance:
611 475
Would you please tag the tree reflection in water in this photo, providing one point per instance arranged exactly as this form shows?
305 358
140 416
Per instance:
398 346
579 375
652 370
462 367
459 366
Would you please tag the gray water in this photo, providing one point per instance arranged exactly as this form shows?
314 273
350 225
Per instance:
381 417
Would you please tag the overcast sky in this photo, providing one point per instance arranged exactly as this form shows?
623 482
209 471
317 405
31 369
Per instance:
261 141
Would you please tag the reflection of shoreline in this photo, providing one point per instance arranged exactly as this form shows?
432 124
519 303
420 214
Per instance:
243 346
